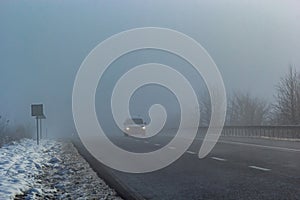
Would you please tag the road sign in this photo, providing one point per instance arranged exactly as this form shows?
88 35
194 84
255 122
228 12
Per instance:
37 110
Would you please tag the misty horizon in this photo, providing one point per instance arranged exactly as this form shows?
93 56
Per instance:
252 43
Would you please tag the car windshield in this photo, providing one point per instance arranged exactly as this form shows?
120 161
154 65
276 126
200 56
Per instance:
137 121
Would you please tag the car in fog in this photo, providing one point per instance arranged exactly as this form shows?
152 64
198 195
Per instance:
134 126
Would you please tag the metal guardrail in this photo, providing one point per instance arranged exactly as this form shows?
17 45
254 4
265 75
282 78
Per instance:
285 132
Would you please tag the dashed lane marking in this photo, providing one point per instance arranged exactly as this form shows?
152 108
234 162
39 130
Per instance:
218 159
191 152
259 168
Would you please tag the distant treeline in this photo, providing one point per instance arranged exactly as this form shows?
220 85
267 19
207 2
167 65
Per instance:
8 133
244 109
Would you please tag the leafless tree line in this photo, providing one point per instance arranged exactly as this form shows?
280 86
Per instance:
286 110
244 109
8 134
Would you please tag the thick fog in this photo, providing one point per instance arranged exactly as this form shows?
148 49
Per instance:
43 43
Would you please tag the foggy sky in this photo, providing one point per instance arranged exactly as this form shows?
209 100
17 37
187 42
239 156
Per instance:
43 43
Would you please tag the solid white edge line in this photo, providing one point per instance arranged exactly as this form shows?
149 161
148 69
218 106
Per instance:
262 146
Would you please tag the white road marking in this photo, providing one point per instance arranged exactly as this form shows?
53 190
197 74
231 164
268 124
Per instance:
218 159
260 168
137 140
191 152
172 147
146 142
262 146
157 144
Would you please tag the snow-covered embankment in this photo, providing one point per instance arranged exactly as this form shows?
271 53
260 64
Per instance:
53 170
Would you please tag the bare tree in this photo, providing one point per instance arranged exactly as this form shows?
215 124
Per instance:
206 105
3 124
286 110
205 110
243 109
3 129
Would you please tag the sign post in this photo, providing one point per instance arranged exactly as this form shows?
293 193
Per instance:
37 112
37 131
41 129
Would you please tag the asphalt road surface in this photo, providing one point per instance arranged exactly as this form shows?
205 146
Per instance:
237 168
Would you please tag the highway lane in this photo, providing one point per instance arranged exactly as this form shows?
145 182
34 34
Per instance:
237 168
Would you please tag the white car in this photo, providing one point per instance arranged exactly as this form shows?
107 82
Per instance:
134 126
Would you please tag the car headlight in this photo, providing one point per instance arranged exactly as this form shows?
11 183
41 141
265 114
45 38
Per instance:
127 128
144 127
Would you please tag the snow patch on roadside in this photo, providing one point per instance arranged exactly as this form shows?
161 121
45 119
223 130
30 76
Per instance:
19 163
52 170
